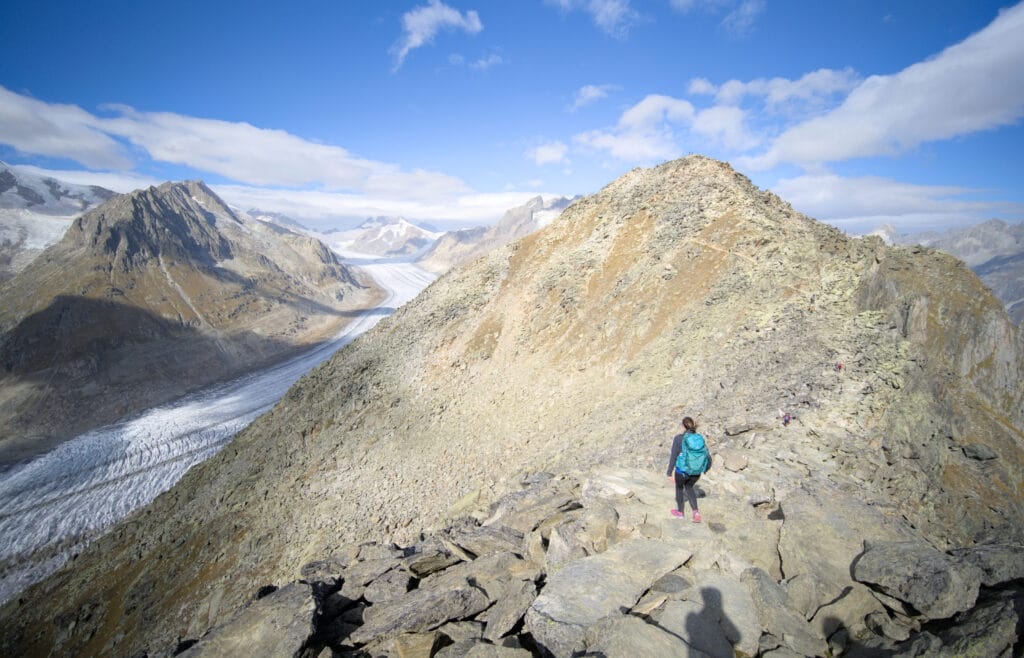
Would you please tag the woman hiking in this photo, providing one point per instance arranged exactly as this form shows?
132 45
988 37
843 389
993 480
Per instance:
689 458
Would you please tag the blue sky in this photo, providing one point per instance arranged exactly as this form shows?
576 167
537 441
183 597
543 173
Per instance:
858 112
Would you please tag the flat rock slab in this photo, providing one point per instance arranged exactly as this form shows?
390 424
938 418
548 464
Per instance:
593 587
933 583
279 624
626 636
419 611
718 615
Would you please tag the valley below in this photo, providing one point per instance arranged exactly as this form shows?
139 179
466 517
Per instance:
56 504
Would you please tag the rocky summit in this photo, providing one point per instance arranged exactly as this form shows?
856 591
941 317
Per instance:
483 473
152 294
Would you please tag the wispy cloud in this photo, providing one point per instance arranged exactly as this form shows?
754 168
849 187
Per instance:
815 89
421 25
740 16
237 151
485 63
947 96
613 17
861 204
588 94
549 153
57 130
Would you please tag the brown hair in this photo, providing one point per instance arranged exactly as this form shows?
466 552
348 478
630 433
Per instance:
689 424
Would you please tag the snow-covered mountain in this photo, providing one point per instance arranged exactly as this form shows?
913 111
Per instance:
458 247
383 236
150 295
993 249
34 213
275 218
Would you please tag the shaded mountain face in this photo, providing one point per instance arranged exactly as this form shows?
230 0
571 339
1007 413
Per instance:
128 284
681 289
34 213
460 247
993 249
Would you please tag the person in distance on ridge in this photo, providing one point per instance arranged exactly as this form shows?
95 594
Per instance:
687 461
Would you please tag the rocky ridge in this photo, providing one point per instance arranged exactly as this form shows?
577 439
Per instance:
150 295
681 288
994 250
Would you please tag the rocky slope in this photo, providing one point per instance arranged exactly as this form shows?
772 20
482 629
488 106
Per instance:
993 249
34 213
152 294
677 289
460 247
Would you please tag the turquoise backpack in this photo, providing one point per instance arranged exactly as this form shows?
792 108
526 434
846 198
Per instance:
693 458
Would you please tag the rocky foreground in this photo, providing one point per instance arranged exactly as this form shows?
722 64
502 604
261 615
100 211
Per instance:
681 289
597 567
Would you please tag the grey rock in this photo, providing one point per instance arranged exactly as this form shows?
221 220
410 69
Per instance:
430 560
484 540
419 611
999 563
626 636
508 610
279 624
482 572
569 602
671 584
780 620
934 584
360 574
416 645
392 584
882 624
457 631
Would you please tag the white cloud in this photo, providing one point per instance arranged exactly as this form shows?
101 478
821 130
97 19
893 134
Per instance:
421 24
121 182
485 63
862 204
588 94
977 84
549 153
739 19
614 17
238 151
653 129
813 88
57 130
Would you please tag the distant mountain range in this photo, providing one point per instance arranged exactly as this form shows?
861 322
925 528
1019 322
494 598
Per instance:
34 213
993 249
389 237
459 247
149 295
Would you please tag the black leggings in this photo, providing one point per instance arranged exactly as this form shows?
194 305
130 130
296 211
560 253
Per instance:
684 485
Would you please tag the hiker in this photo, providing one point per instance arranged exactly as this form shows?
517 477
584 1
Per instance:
786 420
689 458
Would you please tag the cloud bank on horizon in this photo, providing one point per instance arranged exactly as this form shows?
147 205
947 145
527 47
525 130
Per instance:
843 144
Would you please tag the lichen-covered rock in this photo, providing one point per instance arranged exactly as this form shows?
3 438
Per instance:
934 584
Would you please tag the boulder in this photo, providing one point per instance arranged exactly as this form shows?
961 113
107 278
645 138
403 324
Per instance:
419 611
778 619
279 624
416 645
999 563
508 610
934 584
484 540
593 587
717 616
392 584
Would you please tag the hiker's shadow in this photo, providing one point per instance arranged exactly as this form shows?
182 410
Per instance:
710 630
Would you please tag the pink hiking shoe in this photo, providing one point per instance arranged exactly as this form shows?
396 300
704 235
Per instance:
677 513
696 517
